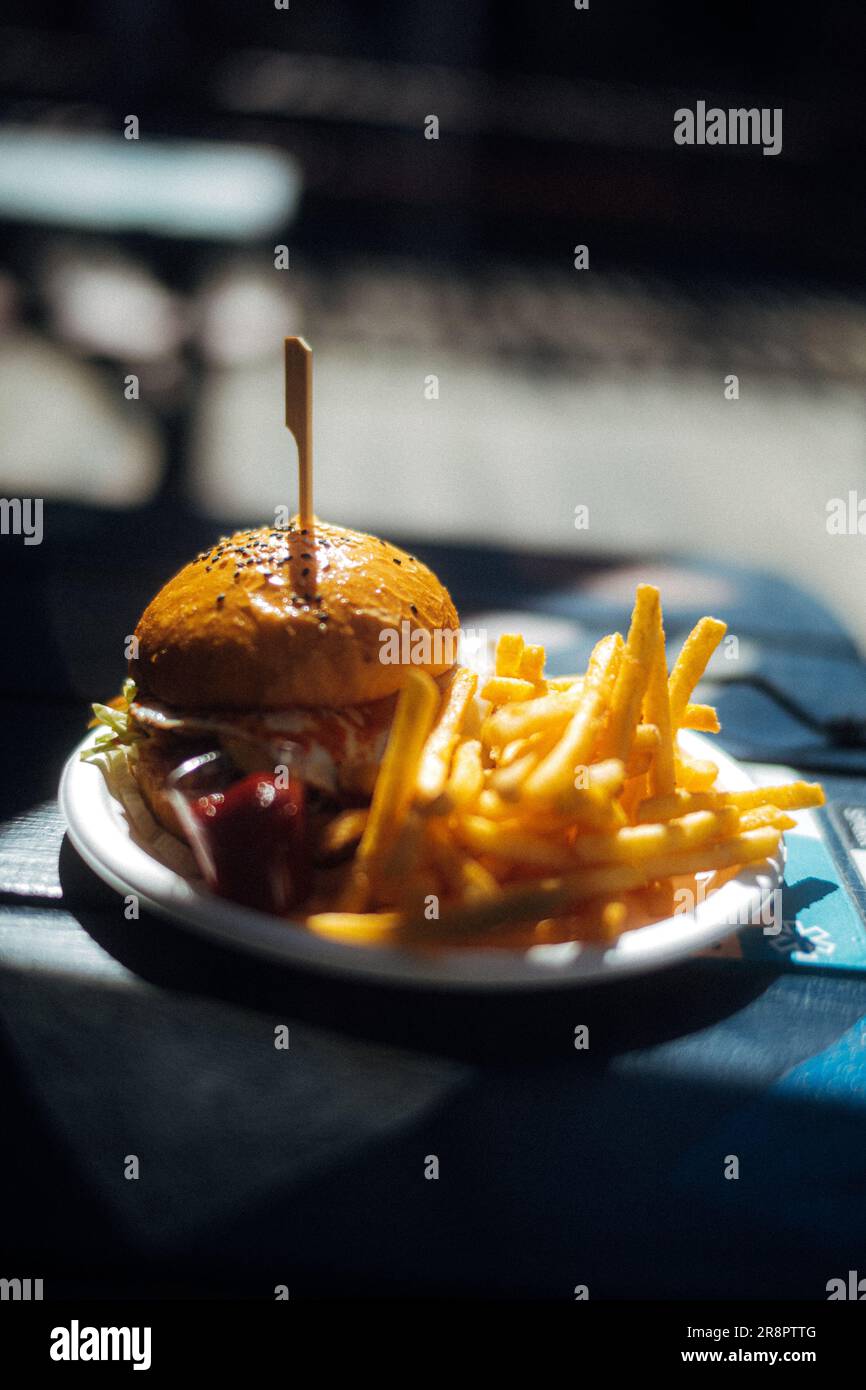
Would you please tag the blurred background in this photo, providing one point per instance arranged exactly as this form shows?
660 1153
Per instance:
143 298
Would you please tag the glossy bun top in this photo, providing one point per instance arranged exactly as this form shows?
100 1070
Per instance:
272 618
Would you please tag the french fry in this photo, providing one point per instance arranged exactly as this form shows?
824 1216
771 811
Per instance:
509 650
694 774
501 689
589 797
463 876
644 746
635 843
395 783
527 717
661 808
606 776
746 848
343 831
537 743
532 663
509 839
646 738
633 674
703 718
657 710
592 808
508 781
512 752
557 771
515 763
357 928
442 739
766 815
691 663
541 818
466 781
473 720
789 796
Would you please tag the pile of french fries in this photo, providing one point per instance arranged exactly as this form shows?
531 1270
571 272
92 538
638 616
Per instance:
547 803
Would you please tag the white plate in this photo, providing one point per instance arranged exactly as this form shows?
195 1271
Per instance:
100 831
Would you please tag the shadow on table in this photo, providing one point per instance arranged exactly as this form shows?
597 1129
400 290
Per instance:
470 1025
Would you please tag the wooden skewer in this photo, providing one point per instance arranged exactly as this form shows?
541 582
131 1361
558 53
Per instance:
299 419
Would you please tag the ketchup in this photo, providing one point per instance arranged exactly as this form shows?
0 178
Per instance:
254 836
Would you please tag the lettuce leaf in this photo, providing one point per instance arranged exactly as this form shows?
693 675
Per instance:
116 731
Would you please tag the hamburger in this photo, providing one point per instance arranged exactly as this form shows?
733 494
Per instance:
277 637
